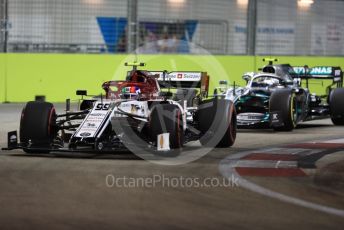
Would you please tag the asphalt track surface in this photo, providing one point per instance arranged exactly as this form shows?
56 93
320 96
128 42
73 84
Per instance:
69 191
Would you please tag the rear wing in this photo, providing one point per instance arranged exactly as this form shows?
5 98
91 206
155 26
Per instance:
183 80
319 72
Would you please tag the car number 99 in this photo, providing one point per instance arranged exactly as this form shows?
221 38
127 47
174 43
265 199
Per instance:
102 106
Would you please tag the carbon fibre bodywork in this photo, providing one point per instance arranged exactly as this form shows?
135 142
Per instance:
135 113
252 102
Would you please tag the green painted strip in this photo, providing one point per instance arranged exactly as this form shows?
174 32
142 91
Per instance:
58 76
3 73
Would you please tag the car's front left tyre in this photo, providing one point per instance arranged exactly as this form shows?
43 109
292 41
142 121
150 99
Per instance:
167 118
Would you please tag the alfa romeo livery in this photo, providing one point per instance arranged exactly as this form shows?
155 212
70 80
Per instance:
155 110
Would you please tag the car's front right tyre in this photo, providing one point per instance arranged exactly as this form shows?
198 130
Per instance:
336 100
37 127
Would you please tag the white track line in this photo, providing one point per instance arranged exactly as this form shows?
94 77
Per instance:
264 164
227 169
337 141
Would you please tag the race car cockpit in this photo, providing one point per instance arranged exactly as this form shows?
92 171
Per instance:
137 76
267 82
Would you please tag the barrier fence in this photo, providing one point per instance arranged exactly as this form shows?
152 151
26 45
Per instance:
293 27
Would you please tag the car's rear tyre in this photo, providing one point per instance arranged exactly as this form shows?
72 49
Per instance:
284 102
217 123
230 135
336 100
167 118
37 127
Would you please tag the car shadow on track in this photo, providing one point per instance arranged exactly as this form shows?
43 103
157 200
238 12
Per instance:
271 131
118 155
267 131
307 126
113 156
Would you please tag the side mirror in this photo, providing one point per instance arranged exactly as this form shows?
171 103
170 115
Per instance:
247 78
297 81
223 82
81 92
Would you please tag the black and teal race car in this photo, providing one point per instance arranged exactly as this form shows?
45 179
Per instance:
274 98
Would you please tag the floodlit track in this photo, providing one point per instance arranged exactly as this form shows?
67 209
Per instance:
65 191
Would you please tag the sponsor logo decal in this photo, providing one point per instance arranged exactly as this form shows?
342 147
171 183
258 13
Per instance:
90 125
85 134
322 70
133 109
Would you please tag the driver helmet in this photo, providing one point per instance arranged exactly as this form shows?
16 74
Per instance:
130 92
270 81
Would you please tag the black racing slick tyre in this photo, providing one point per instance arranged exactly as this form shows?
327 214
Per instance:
217 123
336 100
167 118
283 102
229 138
37 127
